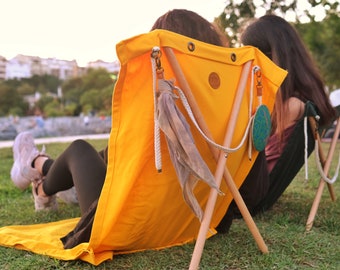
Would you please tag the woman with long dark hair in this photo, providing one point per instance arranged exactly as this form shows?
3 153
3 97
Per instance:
279 40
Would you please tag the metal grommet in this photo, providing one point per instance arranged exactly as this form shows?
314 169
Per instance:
233 57
191 46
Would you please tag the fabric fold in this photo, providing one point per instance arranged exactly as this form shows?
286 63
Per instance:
189 165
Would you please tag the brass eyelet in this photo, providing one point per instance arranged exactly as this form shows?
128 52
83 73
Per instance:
191 46
233 57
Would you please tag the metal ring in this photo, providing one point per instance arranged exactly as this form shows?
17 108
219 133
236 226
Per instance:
156 52
233 57
191 46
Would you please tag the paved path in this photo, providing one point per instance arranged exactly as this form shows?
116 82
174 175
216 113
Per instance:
6 144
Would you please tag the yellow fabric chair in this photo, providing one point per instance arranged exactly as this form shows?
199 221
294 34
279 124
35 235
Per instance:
140 208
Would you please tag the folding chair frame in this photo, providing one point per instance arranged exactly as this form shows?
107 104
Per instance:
326 163
220 158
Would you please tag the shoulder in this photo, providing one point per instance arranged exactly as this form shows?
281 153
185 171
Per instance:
295 103
295 110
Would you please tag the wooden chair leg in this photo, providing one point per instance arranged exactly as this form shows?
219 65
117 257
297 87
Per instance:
221 160
326 166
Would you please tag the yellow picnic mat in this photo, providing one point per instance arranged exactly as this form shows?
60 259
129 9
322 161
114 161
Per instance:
141 208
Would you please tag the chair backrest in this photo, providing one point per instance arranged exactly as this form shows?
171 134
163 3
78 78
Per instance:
140 208
138 197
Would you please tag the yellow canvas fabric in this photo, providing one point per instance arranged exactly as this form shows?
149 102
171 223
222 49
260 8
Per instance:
140 208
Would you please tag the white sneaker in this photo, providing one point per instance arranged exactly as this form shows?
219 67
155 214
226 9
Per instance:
69 196
43 202
24 152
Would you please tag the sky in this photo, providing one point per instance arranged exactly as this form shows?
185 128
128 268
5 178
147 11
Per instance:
83 30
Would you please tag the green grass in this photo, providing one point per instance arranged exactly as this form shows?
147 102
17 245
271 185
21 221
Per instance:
283 229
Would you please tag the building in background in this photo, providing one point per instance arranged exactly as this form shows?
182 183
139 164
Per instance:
3 63
18 67
112 67
24 66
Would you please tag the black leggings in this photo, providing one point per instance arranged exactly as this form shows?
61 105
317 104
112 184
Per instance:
80 165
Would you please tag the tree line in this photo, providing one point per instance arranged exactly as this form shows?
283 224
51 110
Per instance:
322 38
90 93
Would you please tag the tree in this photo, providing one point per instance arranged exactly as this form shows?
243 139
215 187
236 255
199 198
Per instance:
52 109
96 79
91 92
91 101
11 101
237 13
25 89
106 96
323 40
72 84
44 83
321 37
233 18
331 56
43 102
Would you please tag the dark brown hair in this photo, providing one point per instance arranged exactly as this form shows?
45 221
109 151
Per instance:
190 24
279 40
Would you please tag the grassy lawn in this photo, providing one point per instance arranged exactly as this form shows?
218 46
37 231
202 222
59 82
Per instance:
283 229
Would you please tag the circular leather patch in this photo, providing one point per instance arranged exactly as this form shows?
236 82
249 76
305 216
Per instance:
214 80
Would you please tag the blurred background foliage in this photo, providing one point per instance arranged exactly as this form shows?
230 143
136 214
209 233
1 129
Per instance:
321 36
88 94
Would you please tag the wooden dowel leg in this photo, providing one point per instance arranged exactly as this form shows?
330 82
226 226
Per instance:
331 155
221 160
326 166
198 250
315 206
